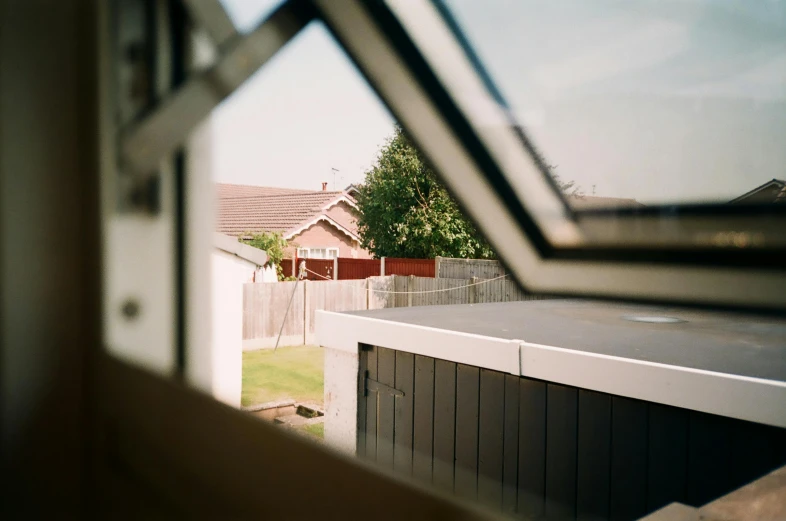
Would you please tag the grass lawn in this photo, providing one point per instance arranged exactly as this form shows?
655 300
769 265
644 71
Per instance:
296 373
317 429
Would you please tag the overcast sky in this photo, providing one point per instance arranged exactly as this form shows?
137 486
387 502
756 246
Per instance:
668 100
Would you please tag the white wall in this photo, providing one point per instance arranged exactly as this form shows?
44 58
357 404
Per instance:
229 273
267 274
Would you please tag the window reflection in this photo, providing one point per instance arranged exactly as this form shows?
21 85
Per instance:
657 102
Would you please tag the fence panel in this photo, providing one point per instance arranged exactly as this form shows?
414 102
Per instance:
406 267
351 269
264 307
265 304
379 297
468 268
437 292
287 268
318 269
401 287
348 295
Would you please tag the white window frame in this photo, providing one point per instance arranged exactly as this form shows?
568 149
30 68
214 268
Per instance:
329 252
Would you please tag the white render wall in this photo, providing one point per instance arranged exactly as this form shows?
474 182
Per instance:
229 273
341 399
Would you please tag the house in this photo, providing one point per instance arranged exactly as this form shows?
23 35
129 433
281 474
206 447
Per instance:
773 191
319 224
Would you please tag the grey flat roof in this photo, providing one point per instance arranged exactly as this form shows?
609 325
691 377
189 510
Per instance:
725 342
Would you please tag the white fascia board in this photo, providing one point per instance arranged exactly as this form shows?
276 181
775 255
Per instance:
300 229
340 199
345 332
752 399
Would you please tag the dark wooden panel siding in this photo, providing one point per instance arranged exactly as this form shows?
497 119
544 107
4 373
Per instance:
362 374
444 424
541 450
561 445
386 374
532 448
668 456
404 413
423 437
510 459
371 404
467 424
593 471
629 435
707 457
491 438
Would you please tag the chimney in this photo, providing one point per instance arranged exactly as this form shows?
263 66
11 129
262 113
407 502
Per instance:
324 187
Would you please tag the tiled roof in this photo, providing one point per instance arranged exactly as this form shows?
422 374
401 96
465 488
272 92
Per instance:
271 213
231 191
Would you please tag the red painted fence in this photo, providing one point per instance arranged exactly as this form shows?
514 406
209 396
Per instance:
416 267
353 269
322 268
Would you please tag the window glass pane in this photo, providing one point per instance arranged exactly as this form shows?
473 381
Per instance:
247 14
643 102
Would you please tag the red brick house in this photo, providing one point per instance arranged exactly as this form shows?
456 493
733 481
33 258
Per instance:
320 224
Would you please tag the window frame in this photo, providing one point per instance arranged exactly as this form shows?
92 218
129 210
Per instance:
131 405
326 249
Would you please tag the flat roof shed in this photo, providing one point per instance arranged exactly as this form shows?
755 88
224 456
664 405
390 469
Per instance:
608 409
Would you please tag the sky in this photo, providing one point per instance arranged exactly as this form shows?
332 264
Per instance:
305 113
662 101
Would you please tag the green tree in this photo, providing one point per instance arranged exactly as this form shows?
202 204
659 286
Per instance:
273 243
405 211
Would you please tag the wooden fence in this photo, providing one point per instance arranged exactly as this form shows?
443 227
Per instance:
352 269
467 268
317 269
265 304
406 267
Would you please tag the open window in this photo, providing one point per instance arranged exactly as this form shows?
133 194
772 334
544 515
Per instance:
444 72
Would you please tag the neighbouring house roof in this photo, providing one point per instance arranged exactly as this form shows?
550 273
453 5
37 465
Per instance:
351 189
288 213
773 191
232 191
231 245
591 202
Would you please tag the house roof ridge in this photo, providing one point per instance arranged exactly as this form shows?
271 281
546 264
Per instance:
305 193
264 186
306 223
